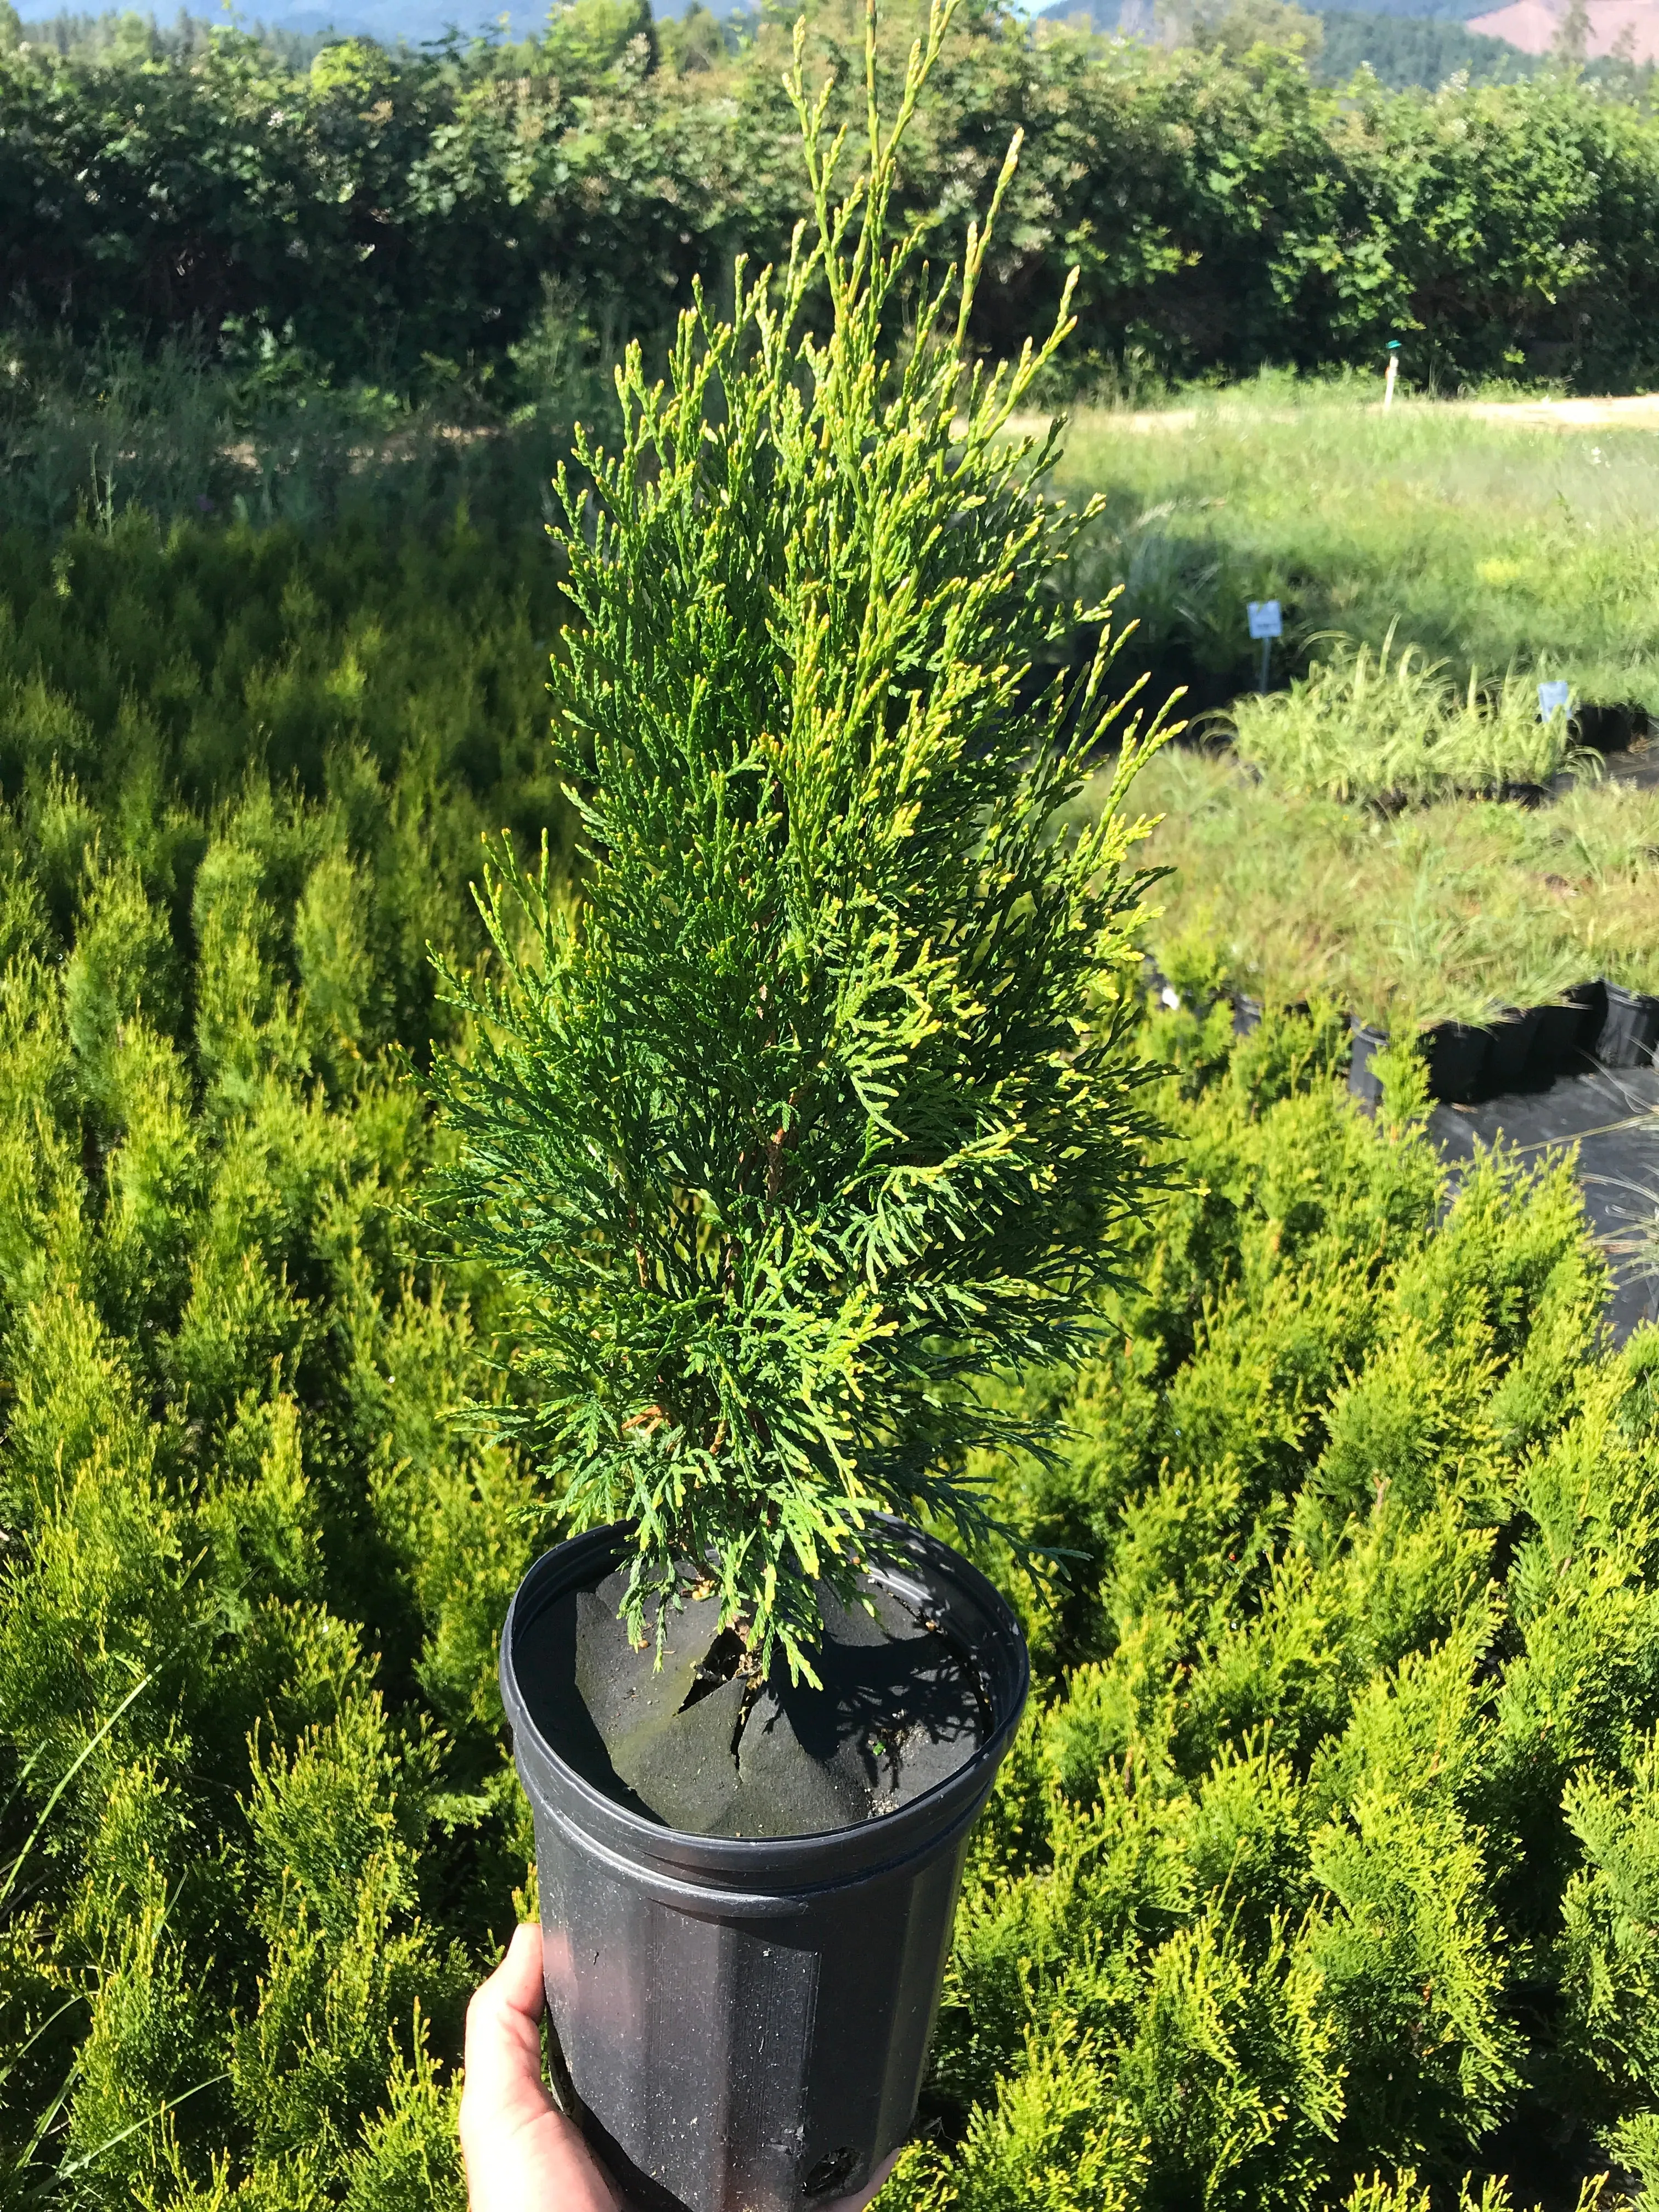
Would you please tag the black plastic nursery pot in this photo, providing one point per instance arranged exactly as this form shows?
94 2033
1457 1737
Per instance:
1457 1054
1511 1047
1566 1031
1591 1001
744 2021
1363 1082
1630 1034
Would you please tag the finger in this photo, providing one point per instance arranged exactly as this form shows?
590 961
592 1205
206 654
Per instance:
519 1974
504 2035
518 2149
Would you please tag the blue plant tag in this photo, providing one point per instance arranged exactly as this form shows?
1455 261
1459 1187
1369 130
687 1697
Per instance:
1264 618
1553 698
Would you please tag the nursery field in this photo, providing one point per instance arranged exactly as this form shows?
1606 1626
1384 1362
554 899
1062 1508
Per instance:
1323 1875
1325 1871
1449 912
1488 543
1395 825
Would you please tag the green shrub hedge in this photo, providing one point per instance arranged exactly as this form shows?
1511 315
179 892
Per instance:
1327 1871
419 218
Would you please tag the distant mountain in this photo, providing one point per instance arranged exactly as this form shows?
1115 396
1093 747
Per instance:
1533 25
415 21
1414 49
386 21
1400 41
1109 15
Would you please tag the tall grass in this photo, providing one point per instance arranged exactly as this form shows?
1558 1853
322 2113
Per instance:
1390 725
176 434
1457 910
1488 542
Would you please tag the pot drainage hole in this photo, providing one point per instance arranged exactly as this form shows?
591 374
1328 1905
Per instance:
834 2172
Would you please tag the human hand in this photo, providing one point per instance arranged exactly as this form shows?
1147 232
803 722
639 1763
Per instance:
521 2152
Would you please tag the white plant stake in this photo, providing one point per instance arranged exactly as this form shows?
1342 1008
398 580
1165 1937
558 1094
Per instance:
1392 372
1553 698
1266 624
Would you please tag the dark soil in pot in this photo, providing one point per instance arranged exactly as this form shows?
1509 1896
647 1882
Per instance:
702 1744
744 2019
1610 726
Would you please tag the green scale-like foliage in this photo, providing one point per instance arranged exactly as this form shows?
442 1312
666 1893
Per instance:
257 1831
1324 1875
1321 1876
794 1127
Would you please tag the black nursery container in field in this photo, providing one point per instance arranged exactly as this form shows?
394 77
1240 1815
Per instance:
745 2021
1566 1029
1456 1054
1363 1082
1510 1047
1630 1034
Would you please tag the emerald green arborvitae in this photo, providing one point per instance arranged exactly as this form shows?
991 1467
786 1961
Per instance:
794 1125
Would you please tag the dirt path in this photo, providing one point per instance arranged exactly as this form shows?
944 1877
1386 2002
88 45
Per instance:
1639 413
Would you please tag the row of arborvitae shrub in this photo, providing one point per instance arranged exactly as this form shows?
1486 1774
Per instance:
1326 1872
1593 1025
257 1831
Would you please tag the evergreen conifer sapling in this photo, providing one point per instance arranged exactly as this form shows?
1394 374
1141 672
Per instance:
814 1107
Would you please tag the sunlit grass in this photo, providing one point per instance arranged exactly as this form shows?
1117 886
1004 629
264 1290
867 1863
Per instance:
1454 910
1389 724
1488 543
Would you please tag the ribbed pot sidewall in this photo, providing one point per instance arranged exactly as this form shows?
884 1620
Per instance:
745 2022
1631 1030
1457 1060
1363 1083
1510 1047
1558 1039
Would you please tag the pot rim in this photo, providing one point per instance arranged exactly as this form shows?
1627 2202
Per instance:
763 1866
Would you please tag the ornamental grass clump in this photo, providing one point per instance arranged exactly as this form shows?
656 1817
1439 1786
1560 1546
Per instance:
1454 911
809 1109
1391 727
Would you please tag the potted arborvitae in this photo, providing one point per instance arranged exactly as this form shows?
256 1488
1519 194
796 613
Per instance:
809 1108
